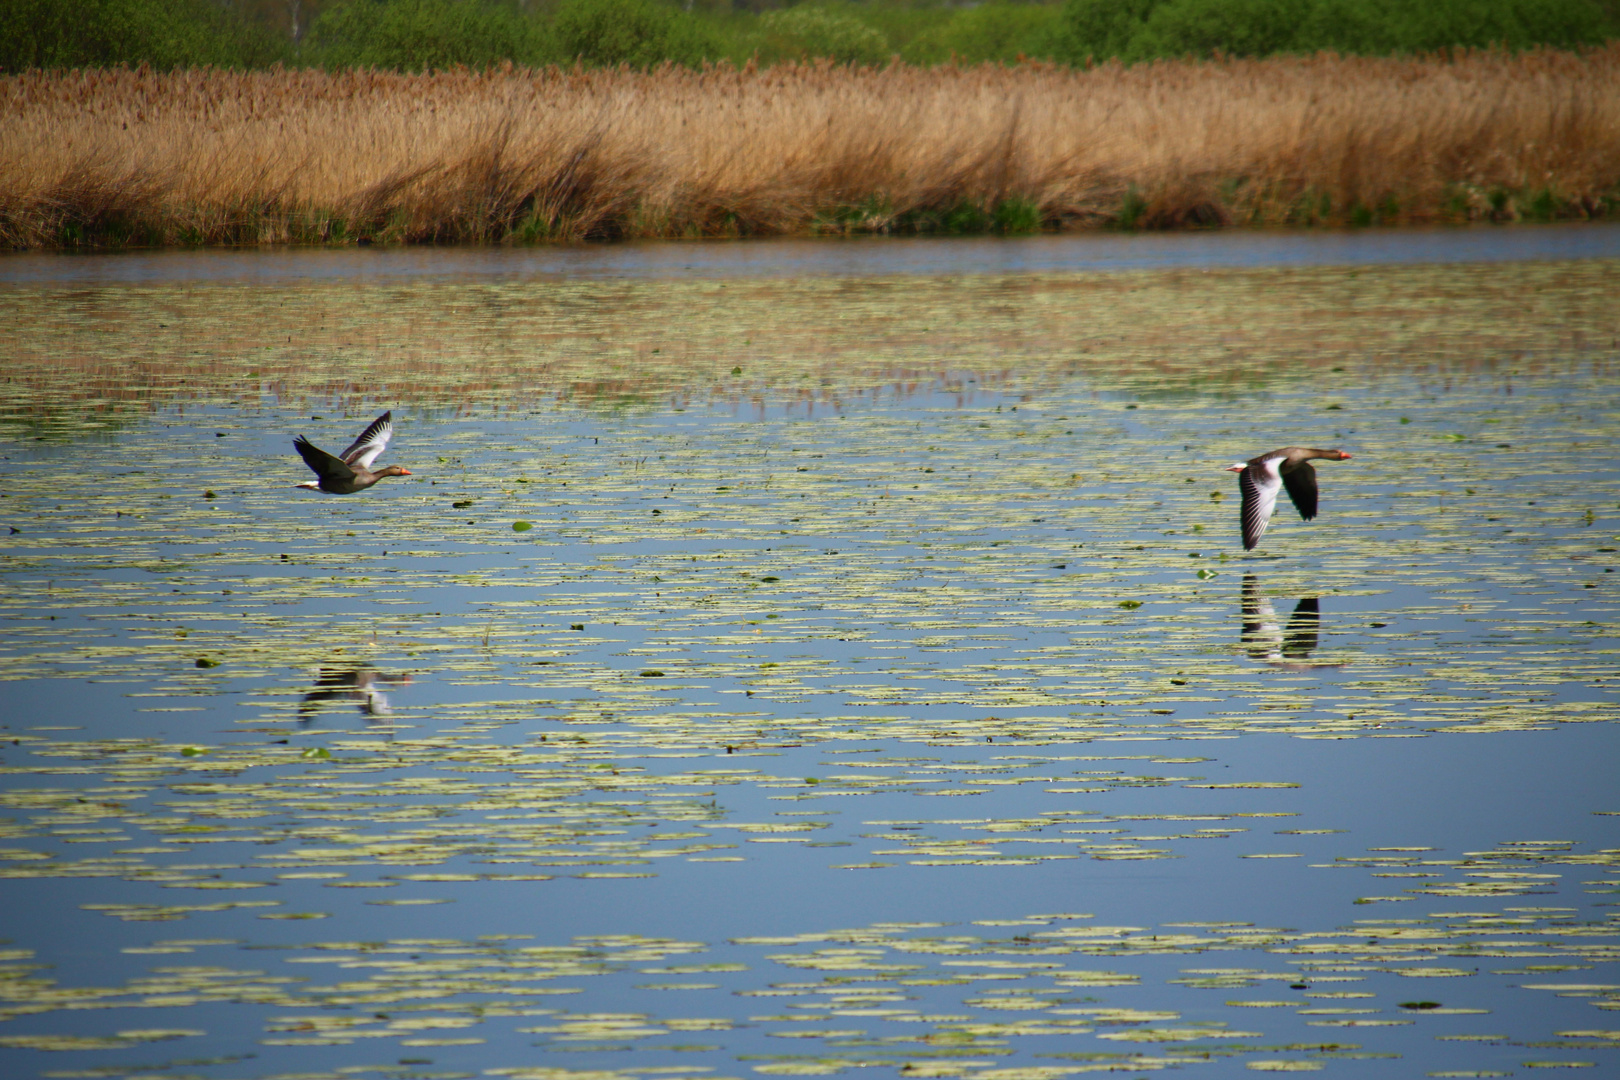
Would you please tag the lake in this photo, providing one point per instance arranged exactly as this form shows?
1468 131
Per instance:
821 658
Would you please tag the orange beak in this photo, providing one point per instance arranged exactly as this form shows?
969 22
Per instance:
404 472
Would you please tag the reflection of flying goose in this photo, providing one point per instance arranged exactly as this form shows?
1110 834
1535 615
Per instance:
1261 478
1304 630
362 685
352 471
1266 641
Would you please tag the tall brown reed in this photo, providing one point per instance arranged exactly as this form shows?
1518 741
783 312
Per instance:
135 157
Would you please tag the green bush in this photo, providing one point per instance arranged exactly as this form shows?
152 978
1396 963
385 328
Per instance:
640 33
901 22
1239 27
1436 24
815 31
1103 29
103 33
1133 30
421 35
1360 27
994 31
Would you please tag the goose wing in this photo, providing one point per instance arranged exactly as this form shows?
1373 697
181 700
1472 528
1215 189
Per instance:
325 465
1260 484
1301 484
372 441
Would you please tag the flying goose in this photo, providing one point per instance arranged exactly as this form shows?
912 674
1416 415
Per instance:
352 471
1262 477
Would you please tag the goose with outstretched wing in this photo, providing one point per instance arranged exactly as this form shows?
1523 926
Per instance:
1262 479
351 471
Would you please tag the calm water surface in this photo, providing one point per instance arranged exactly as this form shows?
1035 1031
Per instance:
803 659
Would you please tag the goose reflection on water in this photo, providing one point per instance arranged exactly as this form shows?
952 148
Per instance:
1286 647
361 684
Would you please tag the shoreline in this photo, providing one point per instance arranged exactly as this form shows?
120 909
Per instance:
120 159
874 255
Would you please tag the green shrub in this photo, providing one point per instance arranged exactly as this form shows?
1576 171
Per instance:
102 33
1134 30
1361 27
902 22
994 31
1238 27
815 31
1437 24
640 33
1103 29
421 35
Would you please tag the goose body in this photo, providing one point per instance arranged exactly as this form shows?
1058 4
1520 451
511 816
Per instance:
1262 478
352 471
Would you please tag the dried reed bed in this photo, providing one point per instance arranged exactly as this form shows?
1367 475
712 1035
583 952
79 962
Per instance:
136 157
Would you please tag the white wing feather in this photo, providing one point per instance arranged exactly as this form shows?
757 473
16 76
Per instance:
373 441
1260 484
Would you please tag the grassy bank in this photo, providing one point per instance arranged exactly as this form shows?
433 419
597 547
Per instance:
115 158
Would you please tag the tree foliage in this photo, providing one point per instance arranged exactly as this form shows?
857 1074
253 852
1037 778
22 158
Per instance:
640 33
420 35
1135 30
992 31
813 31
103 33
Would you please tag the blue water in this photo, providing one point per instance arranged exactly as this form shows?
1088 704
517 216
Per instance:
961 563
874 256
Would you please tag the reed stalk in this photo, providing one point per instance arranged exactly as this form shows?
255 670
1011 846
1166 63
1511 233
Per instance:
133 157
